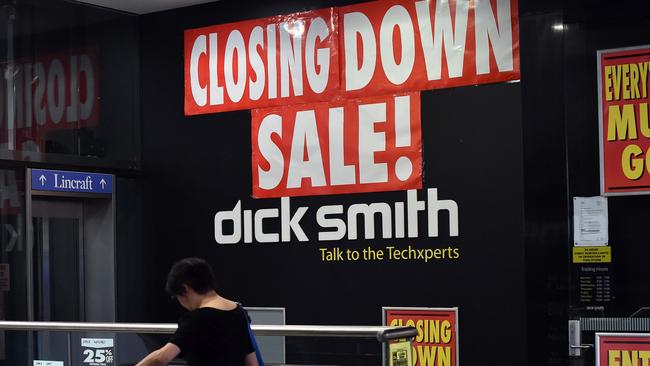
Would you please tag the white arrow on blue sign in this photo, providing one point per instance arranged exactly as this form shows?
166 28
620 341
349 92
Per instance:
69 181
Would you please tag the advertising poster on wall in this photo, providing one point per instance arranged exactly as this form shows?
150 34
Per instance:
623 113
621 349
437 340
317 137
365 182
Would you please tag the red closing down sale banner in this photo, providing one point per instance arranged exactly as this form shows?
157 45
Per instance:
374 48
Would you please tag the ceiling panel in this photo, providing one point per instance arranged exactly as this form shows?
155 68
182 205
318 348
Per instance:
144 6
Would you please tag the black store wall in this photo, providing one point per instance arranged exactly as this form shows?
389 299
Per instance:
196 166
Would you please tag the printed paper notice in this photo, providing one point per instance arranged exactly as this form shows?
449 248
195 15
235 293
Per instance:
590 221
48 363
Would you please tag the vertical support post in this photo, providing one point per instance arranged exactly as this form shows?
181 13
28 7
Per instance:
29 245
69 336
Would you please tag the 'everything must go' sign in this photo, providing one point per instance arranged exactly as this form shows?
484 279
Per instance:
623 110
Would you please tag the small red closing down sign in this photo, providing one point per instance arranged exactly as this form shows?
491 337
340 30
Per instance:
622 349
344 146
436 343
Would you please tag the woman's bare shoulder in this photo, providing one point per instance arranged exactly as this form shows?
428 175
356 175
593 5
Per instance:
221 303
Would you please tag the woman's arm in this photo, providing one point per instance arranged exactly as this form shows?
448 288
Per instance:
161 356
251 359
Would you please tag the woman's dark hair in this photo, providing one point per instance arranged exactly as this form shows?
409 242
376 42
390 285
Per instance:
193 272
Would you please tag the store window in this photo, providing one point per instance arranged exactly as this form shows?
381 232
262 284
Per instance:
69 87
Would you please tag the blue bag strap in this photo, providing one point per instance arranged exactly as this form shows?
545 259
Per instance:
258 354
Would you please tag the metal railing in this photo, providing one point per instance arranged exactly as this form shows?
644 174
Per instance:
381 333
615 324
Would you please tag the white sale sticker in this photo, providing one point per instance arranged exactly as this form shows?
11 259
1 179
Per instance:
98 351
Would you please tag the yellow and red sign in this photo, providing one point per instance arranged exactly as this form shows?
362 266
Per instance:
624 130
631 349
437 341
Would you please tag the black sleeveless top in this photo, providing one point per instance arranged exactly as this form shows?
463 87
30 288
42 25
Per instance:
213 337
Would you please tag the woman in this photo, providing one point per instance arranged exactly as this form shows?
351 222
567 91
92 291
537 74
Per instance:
214 332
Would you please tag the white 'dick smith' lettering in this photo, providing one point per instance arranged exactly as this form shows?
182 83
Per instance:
393 220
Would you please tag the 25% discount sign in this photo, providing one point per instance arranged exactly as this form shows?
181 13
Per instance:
97 351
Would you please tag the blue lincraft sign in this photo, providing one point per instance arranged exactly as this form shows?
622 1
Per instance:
68 181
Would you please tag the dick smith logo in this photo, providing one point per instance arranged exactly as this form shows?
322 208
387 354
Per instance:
397 221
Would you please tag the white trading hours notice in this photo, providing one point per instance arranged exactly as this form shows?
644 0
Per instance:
97 351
